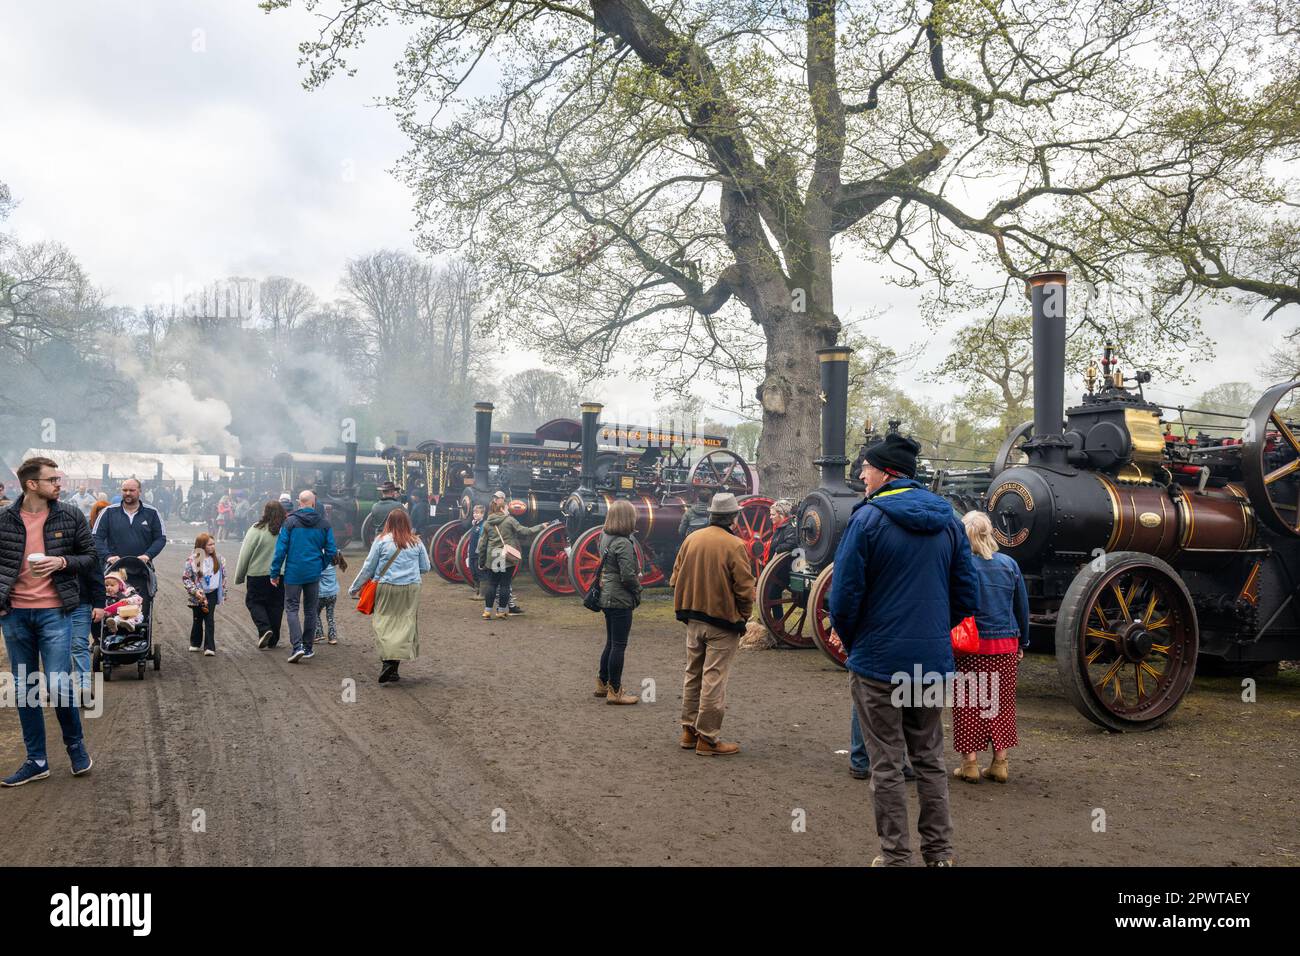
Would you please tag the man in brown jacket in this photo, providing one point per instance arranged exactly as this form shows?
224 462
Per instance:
713 592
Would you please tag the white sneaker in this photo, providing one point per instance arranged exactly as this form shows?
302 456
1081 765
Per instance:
195 650
209 653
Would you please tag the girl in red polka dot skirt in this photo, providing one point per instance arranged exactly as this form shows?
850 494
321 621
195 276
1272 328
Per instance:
984 712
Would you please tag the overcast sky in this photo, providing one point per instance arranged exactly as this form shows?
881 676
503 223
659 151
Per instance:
170 141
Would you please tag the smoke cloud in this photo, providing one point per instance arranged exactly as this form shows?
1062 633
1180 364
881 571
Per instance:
174 419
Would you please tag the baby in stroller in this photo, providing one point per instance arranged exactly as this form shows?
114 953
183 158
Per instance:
125 608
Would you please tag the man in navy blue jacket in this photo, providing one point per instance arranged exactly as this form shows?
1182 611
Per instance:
903 577
130 529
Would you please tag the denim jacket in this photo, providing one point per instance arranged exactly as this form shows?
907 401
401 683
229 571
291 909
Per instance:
406 569
1004 603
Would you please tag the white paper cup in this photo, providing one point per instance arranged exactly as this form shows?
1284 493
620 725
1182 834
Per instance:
32 559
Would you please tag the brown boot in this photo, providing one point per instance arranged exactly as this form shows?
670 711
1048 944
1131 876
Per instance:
718 749
969 771
996 771
689 738
615 695
601 688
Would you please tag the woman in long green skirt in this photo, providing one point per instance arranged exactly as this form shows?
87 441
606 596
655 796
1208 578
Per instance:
395 562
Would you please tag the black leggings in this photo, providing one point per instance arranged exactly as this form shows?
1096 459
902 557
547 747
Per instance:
496 589
618 625
203 630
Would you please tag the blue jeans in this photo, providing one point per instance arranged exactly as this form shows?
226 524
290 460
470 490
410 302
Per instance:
858 758
34 636
81 622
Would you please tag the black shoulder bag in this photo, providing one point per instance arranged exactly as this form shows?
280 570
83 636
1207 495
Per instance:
592 601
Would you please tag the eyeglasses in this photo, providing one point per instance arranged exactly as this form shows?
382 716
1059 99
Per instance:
55 480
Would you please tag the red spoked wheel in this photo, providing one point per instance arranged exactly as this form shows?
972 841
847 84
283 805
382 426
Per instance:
651 574
783 609
548 559
463 559
825 639
754 527
442 550
584 562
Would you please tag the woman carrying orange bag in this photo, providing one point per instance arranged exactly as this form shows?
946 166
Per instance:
1003 626
396 560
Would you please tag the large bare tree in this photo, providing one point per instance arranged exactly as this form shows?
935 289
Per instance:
706 162
282 302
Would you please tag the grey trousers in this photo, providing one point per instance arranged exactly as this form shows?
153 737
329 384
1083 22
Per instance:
891 734
302 633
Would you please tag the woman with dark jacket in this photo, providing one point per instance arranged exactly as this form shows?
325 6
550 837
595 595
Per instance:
785 531
1003 623
620 594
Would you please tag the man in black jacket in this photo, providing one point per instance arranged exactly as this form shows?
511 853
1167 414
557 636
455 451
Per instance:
44 546
131 528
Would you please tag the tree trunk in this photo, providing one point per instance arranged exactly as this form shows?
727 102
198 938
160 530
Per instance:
792 404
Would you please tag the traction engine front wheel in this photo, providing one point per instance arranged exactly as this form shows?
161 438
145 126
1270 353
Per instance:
1126 641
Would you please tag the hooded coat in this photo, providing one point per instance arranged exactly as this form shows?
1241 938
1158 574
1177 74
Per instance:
498 531
304 548
903 579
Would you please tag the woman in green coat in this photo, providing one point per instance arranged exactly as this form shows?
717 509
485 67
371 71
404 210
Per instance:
265 601
620 594
496 562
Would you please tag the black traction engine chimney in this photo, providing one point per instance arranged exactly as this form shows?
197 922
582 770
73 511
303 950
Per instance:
834 364
482 444
590 415
1047 301
350 466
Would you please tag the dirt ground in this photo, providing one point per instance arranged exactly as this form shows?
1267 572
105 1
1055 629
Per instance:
495 724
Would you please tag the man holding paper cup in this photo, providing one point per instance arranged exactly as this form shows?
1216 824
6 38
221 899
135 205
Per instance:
44 545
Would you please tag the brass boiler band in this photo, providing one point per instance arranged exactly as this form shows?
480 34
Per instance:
657 519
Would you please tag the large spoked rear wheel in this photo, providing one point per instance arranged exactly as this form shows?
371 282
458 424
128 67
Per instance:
463 560
442 550
1126 641
1270 461
782 608
548 560
754 527
826 640
584 562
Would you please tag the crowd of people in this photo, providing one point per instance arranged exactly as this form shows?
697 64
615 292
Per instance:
907 571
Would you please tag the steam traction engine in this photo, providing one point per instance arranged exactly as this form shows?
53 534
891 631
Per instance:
528 469
660 483
794 586
1141 550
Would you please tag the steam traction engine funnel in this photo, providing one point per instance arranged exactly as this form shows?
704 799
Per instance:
1047 301
482 443
834 363
350 466
590 415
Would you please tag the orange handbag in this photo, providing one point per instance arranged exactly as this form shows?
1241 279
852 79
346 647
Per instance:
966 637
366 596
